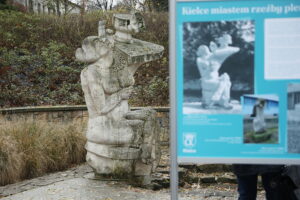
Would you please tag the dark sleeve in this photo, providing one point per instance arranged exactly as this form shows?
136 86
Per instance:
253 112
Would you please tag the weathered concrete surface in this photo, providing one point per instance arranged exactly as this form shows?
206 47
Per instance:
87 189
210 182
77 184
27 185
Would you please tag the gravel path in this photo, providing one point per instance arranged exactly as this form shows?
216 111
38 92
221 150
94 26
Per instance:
78 184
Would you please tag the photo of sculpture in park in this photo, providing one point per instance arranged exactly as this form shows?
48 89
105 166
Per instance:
218 61
260 118
293 118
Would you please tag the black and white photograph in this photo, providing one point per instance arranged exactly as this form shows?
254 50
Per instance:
218 61
261 118
293 118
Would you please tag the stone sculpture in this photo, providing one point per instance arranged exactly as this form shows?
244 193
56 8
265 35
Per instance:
215 88
119 141
259 124
261 134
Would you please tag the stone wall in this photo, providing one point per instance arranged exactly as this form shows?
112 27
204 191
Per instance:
72 114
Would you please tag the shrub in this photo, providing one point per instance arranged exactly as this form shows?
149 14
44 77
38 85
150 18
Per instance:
152 93
39 79
37 64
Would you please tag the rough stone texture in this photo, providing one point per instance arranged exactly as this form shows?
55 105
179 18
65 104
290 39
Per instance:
64 114
119 141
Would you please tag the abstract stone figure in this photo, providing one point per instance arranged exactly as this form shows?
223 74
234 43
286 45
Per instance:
126 24
215 88
119 141
259 124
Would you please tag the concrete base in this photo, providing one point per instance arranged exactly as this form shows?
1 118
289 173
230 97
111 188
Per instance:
197 108
261 137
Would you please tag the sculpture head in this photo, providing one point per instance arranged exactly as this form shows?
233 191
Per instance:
203 51
137 22
261 103
213 46
128 23
225 40
93 48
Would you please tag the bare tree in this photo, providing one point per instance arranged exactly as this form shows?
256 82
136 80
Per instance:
125 4
100 4
83 6
142 5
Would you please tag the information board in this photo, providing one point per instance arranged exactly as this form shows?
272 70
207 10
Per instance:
237 81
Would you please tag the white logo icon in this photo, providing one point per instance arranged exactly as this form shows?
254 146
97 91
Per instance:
189 140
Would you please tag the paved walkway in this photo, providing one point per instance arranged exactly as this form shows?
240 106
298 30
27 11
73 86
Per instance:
78 184
86 189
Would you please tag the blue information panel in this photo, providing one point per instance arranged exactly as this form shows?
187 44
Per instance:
238 81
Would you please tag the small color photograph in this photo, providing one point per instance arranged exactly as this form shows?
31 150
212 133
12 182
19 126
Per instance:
260 118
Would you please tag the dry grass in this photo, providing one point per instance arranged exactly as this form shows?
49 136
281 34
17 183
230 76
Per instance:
11 160
30 149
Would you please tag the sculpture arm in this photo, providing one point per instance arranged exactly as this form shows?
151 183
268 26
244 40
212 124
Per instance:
87 93
201 66
221 54
100 98
115 99
105 103
95 90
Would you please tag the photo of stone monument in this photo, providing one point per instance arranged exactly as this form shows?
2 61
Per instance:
218 59
260 121
293 118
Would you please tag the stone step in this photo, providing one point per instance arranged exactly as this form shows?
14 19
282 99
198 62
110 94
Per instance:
208 168
161 178
211 179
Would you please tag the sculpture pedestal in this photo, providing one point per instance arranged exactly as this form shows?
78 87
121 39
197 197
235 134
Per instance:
136 152
261 137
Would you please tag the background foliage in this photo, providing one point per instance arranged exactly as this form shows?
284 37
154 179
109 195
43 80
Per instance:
37 62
